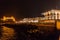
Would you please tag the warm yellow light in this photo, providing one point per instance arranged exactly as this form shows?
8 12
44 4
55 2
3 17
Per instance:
5 18
13 18
58 25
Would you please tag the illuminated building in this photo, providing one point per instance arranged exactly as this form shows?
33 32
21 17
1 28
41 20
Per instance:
8 19
49 16
29 20
52 14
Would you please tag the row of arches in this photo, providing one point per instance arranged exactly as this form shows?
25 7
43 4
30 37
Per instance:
53 14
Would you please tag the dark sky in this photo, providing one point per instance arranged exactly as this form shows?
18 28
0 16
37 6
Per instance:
27 8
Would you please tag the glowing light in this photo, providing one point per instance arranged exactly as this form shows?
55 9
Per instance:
58 25
35 21
6 18
52 14
7 33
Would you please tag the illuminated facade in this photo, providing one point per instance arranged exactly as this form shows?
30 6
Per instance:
49 15
52 14
8 19
29 20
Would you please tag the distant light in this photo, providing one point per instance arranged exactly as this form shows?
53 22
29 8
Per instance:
35 21
6 18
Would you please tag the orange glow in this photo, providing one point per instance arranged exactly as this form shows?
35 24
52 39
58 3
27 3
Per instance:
7 33
58 25
5 18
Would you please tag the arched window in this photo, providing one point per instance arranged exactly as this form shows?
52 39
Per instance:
54 15
48 16
57 15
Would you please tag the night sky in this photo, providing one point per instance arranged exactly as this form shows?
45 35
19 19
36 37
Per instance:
27 8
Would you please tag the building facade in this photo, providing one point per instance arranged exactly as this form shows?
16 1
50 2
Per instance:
52 14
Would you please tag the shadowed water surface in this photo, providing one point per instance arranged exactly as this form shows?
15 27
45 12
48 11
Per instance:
28 32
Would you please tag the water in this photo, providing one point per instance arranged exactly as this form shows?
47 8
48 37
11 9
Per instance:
19 33
7 33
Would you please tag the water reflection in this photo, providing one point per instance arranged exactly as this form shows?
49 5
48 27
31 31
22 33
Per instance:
7 33
28 32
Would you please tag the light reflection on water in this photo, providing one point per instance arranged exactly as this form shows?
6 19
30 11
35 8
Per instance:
7 33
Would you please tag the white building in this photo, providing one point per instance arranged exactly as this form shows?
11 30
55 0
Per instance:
52 14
